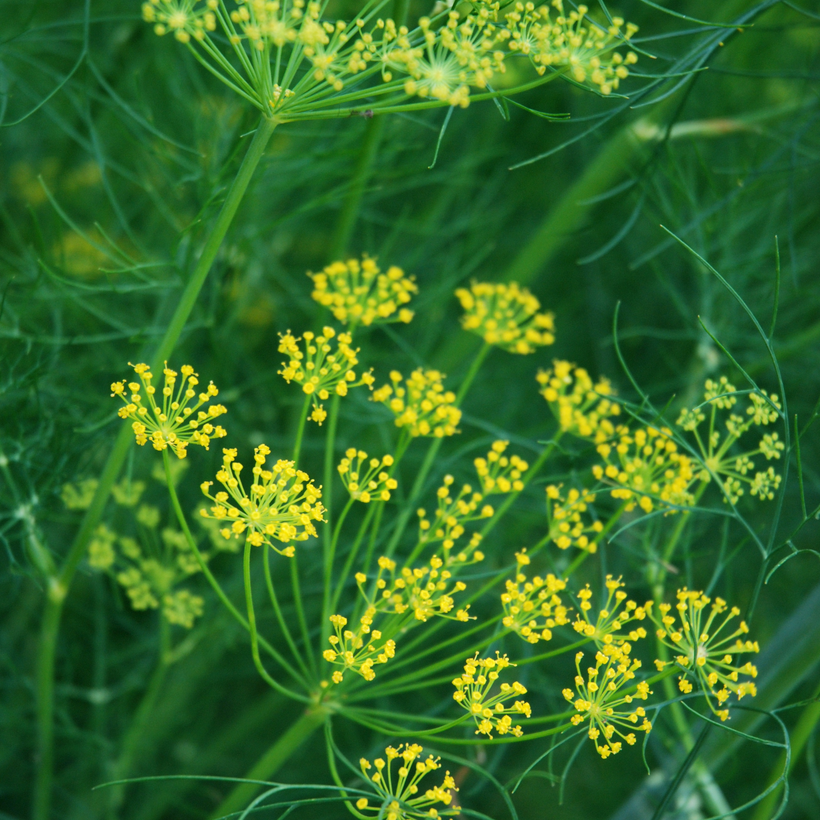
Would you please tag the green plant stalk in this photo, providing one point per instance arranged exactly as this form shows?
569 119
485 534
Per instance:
300 612
328 568
300 430
330 447
58 585
271 761
799 737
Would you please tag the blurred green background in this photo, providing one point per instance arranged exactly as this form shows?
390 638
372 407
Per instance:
116 150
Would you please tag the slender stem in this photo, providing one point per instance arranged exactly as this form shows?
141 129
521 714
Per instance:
271 761
330 447
300 610
328 581
300 430
257 661
58 586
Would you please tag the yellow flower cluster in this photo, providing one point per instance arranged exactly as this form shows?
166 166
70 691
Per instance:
506 316
706 649
282 503
399 796
499 473
611 620
374 483
359 293
424 591
358 651
173 424
78 496
476 691
150 582
320 369
580 406
646 469
525 601
566 518
421 405
572 40
184 18
599 699
451 515
735 469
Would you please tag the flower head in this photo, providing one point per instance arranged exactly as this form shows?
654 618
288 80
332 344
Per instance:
371 484
581 406
569 522
453 511
499 473
319 368
173 424
478 691
599 699
506 316
359 293
400 797
282 503
611 620
706 647
420 404
358 651
533 608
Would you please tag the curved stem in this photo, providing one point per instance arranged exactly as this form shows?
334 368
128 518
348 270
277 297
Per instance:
59 584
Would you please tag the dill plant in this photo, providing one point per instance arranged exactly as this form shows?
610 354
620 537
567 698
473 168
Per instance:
500 579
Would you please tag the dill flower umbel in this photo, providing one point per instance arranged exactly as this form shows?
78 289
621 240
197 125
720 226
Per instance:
358 651
706 648
506 316
476 691
281 506
359 293
320 369
374 483
499 473
173 424
399 794
533 608
598 698
452 513
420 404
717 447
610 621
646 469
580 406
566 516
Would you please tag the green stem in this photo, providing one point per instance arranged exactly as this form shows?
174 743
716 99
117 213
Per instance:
300 610
300 430
58 586
271 761
330 446
328 585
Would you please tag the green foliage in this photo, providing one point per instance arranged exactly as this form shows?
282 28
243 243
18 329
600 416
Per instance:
669 227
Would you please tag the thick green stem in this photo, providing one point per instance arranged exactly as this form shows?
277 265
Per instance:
271 761
58 585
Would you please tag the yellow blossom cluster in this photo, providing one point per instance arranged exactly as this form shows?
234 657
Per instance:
372 484
320 368
173 424
424 591
506 315
420 404
183 18
499 473
646 469
718 453
151 582
453 511
580 406
487 701
617 612
400 797
599 698
358 651
357 292
281 506
566 516
707 647
533 608
571 39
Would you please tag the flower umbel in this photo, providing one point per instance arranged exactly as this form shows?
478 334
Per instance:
706 647
173 424
506 316
359 293
282 503
399 794
476 691
567 517
358 651
499 473
611 620
420 404
598 698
